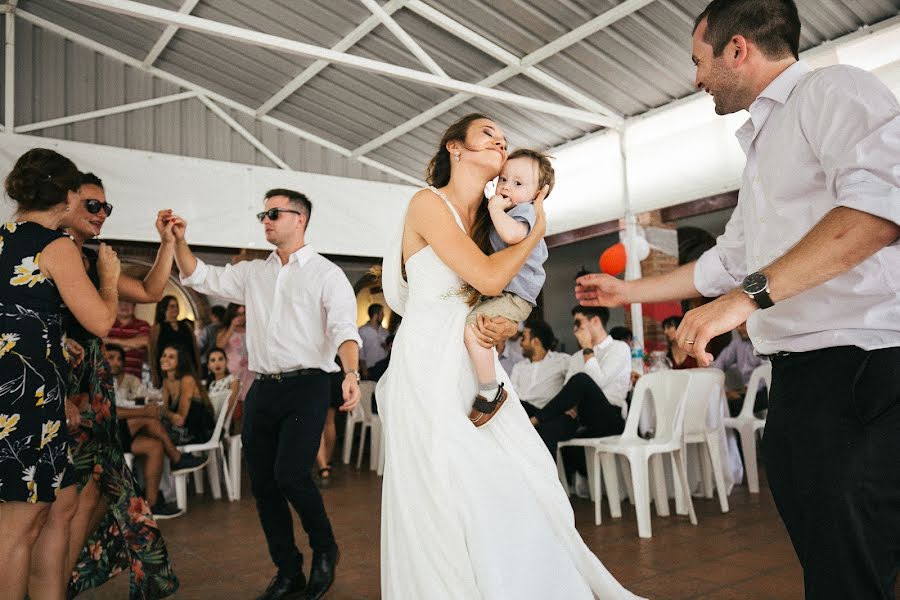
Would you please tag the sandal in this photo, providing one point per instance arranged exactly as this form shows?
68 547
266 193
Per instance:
483 410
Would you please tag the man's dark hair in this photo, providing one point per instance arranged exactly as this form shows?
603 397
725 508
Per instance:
623 334
300 201
116 348
542 331
374 309
91 179
590 312
219 311
673 321
773 25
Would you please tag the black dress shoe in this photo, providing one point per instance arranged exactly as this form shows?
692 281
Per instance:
283 588
321 575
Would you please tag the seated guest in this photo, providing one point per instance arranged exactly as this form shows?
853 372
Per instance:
541 376
678 356
168 330
221 386
509 352
739 355
596 384
188 411
133 335
142 433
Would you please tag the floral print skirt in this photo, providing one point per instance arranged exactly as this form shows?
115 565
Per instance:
128 537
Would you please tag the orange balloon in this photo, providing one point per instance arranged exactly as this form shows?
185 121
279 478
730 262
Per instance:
612 261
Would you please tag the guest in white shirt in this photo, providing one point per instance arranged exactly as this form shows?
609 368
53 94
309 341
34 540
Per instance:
372 335
509 353
300 311
810 260
542 375
597 381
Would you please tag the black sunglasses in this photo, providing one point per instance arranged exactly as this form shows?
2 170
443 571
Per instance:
273 213
95 206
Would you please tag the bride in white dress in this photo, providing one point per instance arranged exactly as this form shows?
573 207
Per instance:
467 513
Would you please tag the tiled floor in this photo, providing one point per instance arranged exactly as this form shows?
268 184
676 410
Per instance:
219 550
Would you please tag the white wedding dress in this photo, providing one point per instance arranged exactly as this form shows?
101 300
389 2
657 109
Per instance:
467 513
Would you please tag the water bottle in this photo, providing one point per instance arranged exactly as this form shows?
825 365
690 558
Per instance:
637 359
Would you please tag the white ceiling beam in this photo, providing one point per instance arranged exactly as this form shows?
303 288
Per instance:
272 42
404 38
490 48
432 113
105 112
9 108
189 85
244 133
314 69
167 35
588 29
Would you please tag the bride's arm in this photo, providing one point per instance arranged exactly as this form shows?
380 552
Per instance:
433 220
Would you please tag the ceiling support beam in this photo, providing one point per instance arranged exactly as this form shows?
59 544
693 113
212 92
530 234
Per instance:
314 69
272 42
244 133
404 38
200 90
167 35
104 112
9 108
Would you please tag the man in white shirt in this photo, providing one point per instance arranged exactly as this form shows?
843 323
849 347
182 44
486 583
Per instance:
509 353
373 336
542 375
810 259
301 311
596 387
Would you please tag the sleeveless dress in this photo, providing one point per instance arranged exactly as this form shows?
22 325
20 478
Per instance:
35 445
127 537
466 512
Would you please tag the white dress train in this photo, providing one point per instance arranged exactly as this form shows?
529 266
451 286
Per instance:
467 513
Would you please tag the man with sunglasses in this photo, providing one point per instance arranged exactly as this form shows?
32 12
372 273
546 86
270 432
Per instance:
301 311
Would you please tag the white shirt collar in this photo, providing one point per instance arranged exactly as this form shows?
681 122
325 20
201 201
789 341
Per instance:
778 91
301 256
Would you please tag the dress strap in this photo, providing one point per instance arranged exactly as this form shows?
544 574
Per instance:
456 216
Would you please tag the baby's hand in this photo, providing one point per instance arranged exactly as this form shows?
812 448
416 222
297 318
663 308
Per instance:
498 202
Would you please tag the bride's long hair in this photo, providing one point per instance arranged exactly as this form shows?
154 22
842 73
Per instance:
438 175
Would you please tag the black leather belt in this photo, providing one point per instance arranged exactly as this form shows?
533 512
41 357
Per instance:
288 374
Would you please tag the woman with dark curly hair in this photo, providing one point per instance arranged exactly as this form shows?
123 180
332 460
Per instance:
40 270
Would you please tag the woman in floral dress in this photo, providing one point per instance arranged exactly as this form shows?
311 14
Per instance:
39 271
113 528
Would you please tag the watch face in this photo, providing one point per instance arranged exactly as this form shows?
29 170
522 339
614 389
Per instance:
755 283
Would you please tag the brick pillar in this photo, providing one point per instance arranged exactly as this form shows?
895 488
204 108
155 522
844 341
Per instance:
656 263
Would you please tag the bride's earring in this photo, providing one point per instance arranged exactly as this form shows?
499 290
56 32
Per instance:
457 156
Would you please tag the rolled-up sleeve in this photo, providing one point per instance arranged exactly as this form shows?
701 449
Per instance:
722 268
854 129
227 282
339 302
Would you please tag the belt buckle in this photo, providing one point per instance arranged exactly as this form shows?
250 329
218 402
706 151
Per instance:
276 376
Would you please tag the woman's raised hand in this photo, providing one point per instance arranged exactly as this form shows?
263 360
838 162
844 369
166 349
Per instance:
108 266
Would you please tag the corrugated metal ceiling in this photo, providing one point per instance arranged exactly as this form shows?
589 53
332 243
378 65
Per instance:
640 62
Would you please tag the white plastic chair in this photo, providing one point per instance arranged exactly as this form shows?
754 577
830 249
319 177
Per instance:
370 421
704 399
748 424
213 448
230 454
354 417
668 390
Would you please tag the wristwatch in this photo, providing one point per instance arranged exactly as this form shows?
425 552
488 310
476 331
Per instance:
756 285
354 373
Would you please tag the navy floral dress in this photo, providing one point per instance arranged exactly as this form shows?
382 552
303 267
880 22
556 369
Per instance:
127 537
35 445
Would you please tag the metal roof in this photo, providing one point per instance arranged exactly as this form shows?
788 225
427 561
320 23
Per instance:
610 60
